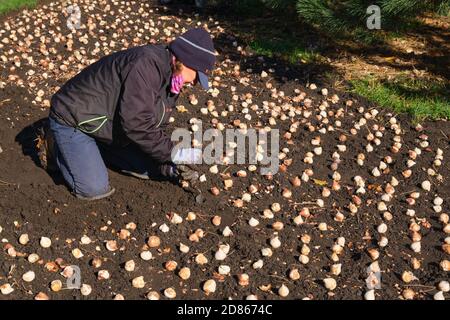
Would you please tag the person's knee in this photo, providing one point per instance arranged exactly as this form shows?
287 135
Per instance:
92 187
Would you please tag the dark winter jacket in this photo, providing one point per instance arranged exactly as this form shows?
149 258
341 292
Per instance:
124 97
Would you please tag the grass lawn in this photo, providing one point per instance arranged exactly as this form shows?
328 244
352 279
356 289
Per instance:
8 5
291 50
422 99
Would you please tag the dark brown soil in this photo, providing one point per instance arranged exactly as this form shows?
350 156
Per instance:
35 203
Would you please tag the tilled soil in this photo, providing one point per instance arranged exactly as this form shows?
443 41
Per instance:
34 203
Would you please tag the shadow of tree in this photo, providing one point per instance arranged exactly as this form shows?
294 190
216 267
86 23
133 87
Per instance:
236 26
436 42
420 92
288 31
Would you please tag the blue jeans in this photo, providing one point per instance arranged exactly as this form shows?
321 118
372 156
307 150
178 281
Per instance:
80 159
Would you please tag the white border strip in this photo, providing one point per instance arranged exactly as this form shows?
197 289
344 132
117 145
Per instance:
197 46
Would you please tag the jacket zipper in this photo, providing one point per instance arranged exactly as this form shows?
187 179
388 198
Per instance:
163 115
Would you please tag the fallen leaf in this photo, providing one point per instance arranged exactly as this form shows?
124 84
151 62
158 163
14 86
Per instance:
181 108
320 182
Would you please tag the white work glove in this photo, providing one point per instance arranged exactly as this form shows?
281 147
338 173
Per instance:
187 156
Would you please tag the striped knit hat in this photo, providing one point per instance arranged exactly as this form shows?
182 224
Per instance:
195 49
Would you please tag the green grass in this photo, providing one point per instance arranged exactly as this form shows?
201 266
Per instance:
272 31
9 5
289 49
422 99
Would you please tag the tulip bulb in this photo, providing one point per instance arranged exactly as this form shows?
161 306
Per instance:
170 293
209 286
294 274
330 283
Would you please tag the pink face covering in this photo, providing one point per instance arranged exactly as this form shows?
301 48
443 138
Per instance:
176 84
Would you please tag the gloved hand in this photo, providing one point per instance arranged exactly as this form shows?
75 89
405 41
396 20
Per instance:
187 173
187 156
181 171
168 170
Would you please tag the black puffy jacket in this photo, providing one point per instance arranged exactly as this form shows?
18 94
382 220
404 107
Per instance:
123 97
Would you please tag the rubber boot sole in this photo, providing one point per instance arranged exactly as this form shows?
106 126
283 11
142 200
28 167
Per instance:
101 196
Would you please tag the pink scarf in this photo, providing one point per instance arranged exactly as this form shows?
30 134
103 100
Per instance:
176 82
